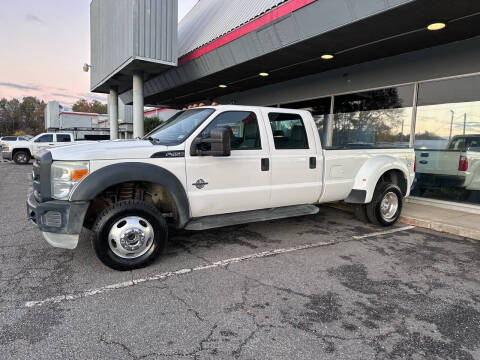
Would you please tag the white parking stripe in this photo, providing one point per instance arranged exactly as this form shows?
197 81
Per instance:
384 232
165 275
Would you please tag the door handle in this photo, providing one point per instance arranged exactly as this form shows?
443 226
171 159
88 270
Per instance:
265 164
313 162
51 144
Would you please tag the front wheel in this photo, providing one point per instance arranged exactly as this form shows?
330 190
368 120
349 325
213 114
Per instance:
386 204
129 235
21 157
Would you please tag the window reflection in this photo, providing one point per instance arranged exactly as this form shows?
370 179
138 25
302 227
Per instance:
447 140
373 119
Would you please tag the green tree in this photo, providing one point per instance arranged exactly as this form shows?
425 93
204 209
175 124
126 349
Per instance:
151 123
94 106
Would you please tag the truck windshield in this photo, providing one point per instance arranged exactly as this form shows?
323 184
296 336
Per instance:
179 127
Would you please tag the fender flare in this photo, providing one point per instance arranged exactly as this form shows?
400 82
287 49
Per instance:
370 173
115 174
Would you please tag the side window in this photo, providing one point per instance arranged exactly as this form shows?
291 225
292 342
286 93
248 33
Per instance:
288 131
9 138
245 134
45 138
63 138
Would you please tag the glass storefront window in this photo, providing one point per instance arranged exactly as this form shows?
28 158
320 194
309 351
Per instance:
373 119
447 140
320 109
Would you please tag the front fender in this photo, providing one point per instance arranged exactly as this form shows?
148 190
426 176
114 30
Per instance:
369 174
115 174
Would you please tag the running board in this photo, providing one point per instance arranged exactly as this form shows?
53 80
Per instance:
216 221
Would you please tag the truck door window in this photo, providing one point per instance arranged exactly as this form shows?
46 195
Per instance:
63 138
45 138
288 131
245 134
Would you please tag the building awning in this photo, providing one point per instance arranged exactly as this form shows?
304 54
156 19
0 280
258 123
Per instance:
291 45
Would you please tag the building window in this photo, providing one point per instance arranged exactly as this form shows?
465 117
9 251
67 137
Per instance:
245 133
320 110
447 140
373 119
288 131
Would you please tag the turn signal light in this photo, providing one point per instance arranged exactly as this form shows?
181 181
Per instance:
79 174
463 163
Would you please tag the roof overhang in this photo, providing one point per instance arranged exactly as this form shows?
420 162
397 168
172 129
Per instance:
291 46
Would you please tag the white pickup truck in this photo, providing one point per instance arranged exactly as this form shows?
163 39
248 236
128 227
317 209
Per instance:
207 167
22 151
457 166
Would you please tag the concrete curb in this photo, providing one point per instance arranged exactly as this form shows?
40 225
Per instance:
423 223
440 227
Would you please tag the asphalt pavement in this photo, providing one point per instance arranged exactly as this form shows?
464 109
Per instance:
317 287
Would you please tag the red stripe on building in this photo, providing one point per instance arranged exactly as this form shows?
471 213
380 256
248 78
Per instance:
154 111
263 20
79 114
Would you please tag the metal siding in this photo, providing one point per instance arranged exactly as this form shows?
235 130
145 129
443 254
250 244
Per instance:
210 19
287 30
122 30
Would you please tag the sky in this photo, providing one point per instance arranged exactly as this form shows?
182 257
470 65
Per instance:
43 46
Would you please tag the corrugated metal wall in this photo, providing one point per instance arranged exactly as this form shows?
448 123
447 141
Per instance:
156 32
210 19
125 30
111 27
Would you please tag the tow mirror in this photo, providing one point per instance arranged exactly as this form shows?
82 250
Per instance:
218 144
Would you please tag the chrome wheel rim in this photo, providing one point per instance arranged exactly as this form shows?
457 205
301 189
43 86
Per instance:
131 237
21 158
389 206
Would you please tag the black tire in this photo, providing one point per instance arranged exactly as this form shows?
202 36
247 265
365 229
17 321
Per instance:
116 212
21 157
360 212
373 212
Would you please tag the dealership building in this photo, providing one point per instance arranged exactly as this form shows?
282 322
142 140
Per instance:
374 73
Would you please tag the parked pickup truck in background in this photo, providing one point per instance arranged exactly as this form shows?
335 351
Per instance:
458 166
207 167
22 151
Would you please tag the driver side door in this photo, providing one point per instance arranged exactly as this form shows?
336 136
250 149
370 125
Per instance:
239 182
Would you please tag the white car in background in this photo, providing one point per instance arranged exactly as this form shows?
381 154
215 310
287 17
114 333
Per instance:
22 150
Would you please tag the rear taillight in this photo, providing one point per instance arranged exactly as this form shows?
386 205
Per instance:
463 163
415 164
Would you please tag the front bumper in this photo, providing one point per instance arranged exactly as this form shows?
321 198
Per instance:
60 221
7 155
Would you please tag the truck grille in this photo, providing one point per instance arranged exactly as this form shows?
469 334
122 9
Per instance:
41 177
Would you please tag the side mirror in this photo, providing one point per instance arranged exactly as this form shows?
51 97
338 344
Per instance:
218 144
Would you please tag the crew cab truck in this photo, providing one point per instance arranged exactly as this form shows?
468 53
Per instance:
456 167
207 167
22 151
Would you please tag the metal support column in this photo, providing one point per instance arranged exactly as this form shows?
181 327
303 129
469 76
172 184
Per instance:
138 105
113 113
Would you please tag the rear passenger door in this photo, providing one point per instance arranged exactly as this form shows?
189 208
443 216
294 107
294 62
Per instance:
63 140
295 165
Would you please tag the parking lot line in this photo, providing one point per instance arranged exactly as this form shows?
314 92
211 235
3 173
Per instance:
165 275
405 228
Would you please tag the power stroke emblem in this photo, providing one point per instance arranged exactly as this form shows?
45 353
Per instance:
200 184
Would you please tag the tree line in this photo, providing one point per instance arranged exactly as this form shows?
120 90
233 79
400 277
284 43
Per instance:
26 116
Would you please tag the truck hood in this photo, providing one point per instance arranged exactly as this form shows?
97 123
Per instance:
107 150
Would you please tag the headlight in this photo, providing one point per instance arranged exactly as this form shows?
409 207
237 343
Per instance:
6 148
65 175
